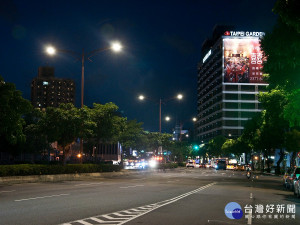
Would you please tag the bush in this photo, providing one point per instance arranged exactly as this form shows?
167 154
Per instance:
167 165
34 169
182 164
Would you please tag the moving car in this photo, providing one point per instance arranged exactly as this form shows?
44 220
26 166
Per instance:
190 163
231 167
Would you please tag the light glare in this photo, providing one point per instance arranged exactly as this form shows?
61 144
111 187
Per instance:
50 50
180 96
117 47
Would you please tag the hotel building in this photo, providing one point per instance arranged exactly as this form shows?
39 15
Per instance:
229 79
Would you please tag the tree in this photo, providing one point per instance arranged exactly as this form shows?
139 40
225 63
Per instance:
36 140
215 145
293 144
12 107
274 125
108 125
281 47
63 124
131 135
292 109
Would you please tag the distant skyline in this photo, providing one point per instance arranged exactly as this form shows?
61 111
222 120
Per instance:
162 46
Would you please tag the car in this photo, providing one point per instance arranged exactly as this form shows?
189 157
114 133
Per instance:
291 179
190 164
240 167
208 165
231 167
297 187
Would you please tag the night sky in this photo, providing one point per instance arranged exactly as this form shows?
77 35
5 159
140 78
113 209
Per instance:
162 43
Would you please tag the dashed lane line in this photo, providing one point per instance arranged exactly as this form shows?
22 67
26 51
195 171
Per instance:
140 185
88 184
124 216
7 191
47 196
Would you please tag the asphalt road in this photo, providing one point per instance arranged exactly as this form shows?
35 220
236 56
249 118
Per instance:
180 196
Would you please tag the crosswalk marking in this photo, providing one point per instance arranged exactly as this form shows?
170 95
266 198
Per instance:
124 216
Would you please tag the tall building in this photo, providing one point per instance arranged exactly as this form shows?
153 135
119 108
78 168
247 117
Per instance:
46 90
229 79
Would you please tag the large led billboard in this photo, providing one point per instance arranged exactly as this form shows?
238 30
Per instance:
243 60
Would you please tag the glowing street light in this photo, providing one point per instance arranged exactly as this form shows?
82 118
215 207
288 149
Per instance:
116 46
50 50
179 97
194 119
167 118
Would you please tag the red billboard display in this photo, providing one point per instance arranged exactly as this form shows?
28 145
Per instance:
243 60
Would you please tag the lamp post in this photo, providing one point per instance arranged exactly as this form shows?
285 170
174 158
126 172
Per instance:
116 47
50 50
194 120
179 97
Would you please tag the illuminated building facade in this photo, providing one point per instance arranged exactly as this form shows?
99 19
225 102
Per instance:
229 79
46 90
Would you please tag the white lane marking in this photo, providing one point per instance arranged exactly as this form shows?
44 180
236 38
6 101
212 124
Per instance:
140 185
131 214
88 184
7 191
84 222
47 196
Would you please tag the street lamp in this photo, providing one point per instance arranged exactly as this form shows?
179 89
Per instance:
179 97
115 47
167 118
50 50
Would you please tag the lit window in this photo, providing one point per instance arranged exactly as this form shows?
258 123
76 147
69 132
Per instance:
45 83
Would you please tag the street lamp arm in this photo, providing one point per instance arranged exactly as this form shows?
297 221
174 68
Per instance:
94 52
72 53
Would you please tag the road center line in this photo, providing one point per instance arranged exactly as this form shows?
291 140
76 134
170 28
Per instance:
47 196
7 191
140 185
88 184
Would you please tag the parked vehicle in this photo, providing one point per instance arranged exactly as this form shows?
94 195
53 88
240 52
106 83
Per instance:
291 179
297 187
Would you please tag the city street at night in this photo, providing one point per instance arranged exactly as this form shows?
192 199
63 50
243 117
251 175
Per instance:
178 196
